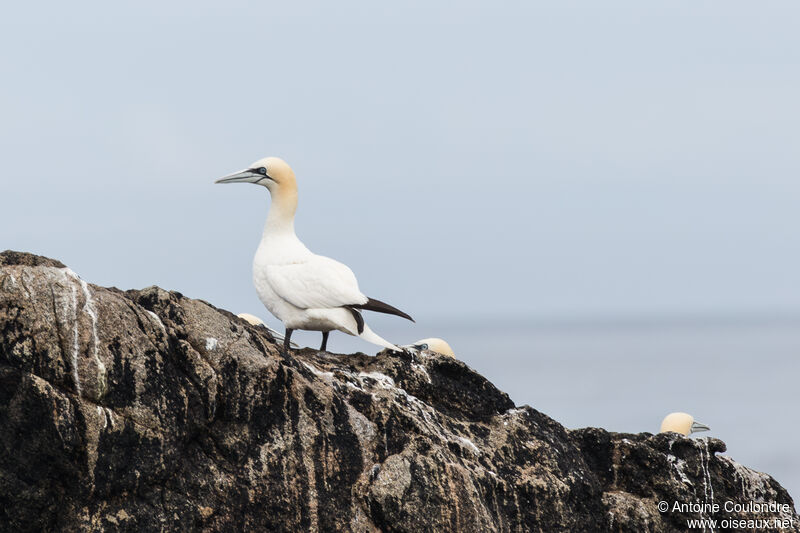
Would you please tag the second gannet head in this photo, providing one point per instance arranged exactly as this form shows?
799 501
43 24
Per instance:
682 423
271 172
251 319
433 345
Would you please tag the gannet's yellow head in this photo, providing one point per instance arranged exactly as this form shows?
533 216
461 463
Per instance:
434 345
251 319
271 172
682 423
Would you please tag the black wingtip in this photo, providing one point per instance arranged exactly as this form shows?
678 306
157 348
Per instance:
381 307
359 319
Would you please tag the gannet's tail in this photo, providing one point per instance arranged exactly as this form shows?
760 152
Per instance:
370 336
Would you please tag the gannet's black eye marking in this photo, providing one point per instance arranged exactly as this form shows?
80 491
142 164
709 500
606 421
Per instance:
422 346
262 171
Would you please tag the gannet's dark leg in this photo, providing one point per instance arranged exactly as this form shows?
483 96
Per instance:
286 337
324 341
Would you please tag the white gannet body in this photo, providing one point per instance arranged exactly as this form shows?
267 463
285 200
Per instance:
302 289
682 423
432 345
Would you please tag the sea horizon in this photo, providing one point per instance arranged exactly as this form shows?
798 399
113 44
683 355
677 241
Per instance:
735 373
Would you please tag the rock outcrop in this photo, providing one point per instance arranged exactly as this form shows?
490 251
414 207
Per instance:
148 411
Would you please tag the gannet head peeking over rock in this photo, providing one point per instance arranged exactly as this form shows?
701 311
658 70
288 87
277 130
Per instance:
302 289
682 423
253 320
433 345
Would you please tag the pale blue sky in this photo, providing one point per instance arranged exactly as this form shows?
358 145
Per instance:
472 162
554 160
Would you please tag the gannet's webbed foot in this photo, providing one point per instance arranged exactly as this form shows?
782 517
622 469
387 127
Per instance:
324 341
286 341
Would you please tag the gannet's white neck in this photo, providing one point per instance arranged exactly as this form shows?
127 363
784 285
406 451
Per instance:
280 219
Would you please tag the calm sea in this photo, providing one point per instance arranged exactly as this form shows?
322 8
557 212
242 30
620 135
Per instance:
738 377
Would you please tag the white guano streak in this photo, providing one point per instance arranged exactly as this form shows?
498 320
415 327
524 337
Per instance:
74 338
89 309
705 463
158 322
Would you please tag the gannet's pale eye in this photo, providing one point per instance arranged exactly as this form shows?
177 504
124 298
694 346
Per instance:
682 423
262 171
433 345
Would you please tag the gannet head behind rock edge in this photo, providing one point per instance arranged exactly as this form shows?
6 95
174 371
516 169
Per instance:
682 423
434 345
251 319
255 321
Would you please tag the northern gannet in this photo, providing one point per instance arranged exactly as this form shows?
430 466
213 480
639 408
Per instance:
302 289
433 345
682 423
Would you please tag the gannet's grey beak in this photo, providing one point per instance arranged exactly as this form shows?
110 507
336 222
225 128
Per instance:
697 426
417 347
244 176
